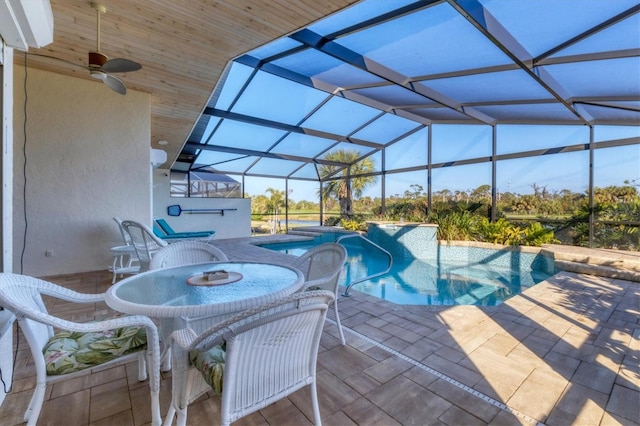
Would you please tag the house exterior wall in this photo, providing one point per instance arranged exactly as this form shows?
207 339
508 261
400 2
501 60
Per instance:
234 224
87 153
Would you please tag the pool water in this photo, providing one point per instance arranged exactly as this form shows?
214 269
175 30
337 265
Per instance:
418 282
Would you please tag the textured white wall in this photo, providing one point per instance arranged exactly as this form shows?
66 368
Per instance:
87 160
232 225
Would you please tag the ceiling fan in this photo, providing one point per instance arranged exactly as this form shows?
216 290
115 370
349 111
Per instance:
101 67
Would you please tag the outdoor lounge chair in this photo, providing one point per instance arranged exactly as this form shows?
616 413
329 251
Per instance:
77 348
158 232
178 236
165 231
253 359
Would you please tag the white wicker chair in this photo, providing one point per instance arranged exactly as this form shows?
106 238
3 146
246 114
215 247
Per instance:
125 260
184 253
144 241
22 295
126 238
322 267
269 353
178 254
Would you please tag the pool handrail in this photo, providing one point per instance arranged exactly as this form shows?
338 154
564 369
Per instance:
368 277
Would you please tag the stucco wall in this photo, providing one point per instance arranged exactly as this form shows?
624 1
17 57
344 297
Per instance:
233 224
87 160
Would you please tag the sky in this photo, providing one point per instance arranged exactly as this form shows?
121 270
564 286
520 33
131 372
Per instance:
307 87
612 166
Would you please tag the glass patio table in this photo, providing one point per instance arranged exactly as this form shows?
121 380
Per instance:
165 293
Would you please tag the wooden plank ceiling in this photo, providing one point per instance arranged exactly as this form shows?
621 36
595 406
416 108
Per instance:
182 45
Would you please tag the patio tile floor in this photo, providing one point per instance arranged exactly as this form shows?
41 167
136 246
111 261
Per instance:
566 351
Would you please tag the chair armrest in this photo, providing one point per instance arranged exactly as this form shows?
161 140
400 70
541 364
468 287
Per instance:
214 335
110 324
73 296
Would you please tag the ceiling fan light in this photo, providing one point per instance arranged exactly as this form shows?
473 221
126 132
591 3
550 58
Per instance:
98 75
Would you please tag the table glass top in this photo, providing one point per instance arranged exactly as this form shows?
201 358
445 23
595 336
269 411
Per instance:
168 287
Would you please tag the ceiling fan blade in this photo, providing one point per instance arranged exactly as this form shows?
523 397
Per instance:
120 65
115 84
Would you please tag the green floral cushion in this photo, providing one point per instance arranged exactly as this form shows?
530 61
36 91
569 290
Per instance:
71 351
211 364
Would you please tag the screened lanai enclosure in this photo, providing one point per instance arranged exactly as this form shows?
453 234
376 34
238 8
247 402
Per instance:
522 111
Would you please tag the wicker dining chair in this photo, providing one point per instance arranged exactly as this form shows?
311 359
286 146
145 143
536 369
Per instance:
253 359
322 267
144 241
76 348
178 254
185 253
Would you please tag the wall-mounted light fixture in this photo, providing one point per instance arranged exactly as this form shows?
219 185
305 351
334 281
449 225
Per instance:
158 157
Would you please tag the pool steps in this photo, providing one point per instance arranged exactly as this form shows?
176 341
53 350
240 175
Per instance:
598 270
624 265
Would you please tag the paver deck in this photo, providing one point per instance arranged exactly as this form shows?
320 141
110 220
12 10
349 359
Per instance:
566 351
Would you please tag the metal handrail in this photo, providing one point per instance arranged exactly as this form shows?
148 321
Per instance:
368 277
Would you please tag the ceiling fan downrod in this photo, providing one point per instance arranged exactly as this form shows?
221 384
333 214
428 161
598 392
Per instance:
100 9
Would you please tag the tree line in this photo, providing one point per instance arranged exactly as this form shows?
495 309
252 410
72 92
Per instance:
564 213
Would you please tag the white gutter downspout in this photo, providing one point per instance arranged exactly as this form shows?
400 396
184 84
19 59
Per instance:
7 159
6 318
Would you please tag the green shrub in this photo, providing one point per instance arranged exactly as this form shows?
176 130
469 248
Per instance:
536 235
504 232
332 221
624 235
353 225
409 210
500 232
456 225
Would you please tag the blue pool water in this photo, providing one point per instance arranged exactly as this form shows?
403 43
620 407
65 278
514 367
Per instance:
421 282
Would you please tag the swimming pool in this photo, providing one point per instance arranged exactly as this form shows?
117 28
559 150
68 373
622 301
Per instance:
489 279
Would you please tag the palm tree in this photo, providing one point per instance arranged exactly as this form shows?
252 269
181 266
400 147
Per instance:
275 203
259 204
345 188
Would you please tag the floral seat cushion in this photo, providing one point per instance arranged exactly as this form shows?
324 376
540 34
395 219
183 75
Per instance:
211 364
71 351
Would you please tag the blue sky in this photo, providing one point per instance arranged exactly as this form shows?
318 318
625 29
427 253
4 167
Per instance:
374 83
555 171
